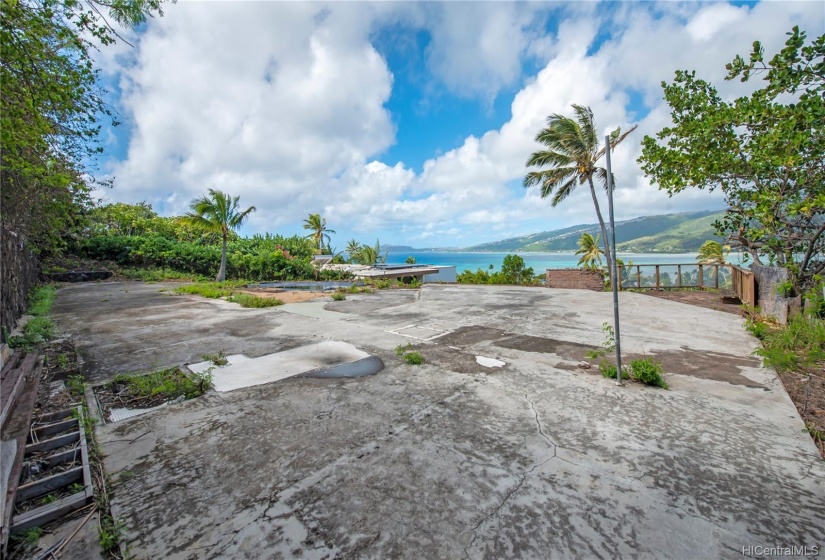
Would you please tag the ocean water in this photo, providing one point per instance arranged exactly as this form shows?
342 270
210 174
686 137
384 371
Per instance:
539 261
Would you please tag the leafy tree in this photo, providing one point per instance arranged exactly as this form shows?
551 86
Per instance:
410 260
50 105
370 255
320 232
712 252
570 158
764 151
591 253
219 213
513 271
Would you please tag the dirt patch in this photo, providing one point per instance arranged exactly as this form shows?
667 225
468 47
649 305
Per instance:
710 300
453 360
467 336
561 348
286 296
716 366
808 394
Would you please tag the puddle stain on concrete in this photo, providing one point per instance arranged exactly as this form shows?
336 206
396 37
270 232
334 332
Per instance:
715 366
360 368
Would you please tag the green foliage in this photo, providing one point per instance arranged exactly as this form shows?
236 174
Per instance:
570 158
712 252
320 232
40 327
50 108
609 370
413 358
218 359
260 258
512 271
62 361
76 385
368 255
31 536
800 343
248 300
109 534
338 296
212 290
648 371
159 275
166 383
408 355
410 260
591 253
765 151
219 213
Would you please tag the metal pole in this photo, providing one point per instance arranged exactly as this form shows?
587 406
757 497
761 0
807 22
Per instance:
615 280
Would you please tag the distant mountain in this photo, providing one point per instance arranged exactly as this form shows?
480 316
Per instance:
668 233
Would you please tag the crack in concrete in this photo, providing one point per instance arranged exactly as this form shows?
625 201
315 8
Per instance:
523 478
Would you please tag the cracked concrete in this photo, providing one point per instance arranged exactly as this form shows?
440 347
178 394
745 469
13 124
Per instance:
538 459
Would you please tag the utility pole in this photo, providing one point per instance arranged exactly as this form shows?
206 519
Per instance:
614 282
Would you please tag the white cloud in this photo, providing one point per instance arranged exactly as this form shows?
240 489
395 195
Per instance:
284 104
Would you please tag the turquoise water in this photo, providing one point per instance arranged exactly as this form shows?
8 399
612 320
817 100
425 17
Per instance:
539 261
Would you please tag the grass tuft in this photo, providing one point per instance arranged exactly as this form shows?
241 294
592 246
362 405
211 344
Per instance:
247 300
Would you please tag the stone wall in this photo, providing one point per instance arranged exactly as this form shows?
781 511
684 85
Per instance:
769 301
576 278
19 270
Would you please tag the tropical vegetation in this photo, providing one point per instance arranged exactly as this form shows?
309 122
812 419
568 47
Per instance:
218 213
764 150
591 253
572 151
513 271
320 232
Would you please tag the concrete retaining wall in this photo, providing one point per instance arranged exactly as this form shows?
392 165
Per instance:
577 278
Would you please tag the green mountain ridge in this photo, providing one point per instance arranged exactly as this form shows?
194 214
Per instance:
668 233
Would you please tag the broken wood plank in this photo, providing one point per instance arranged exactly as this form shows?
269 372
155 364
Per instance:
67 456
44 514
84 453
55 428
48 485
11 364
54 416
13 385
53 443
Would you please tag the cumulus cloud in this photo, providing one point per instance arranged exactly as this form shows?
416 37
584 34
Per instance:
285 104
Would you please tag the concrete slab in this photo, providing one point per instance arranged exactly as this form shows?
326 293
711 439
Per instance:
536 459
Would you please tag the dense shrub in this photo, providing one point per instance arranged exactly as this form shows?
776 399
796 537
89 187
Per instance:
260 257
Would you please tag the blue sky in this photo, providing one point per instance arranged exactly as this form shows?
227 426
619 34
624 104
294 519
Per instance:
406 122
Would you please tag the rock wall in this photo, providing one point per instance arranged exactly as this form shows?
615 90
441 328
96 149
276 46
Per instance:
770 302
19 269
576 278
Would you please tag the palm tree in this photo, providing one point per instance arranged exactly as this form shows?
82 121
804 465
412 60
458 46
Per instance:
318 226
370 255
590 251
218 213
712 252
570 160
352 249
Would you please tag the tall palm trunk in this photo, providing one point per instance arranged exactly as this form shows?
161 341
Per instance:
222 272
607 254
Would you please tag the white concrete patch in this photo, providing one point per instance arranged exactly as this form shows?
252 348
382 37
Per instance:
489 362
202 367
419 333
118 414
281 365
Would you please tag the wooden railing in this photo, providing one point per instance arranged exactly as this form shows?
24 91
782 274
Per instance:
687 275
744 285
